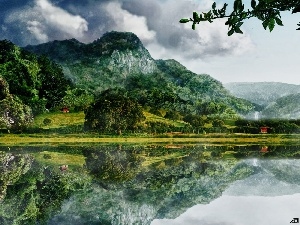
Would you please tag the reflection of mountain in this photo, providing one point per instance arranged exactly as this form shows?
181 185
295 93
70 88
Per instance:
137 184
269 196
30 193
272 178
165 188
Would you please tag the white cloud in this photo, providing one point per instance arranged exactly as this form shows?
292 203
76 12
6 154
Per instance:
62 20
36 28
46 22
175 40
127 22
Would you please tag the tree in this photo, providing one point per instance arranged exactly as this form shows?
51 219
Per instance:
268 11
77 98
173 115
195 120
113 112
14 114
54 83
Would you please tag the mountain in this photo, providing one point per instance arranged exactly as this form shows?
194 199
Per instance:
104 63
287 107
262 93
119 59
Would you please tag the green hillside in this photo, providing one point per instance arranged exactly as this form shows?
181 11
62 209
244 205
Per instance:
119 59
287 107
262 93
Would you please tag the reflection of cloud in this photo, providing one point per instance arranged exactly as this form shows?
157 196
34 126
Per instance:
240 210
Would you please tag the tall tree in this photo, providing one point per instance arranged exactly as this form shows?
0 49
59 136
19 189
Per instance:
113 112
268 11
54 84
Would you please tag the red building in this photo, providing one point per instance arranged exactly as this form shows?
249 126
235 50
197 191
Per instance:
63 168
264 149
65 109
264 130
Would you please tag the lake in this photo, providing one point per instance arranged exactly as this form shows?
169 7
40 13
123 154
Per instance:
153 184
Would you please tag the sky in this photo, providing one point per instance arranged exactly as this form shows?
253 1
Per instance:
255 56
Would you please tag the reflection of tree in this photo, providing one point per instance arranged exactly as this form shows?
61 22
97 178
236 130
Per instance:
112 164
31 193
175 180
12 167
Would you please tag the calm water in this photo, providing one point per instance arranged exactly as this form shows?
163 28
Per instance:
157 185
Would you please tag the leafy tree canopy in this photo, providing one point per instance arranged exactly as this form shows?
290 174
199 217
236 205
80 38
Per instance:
268 11
113 112
14 115
37 81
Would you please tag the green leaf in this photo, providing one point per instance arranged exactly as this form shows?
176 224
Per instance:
271 24
235 5
278 21
214 5
238 30
296 9
265 24
194 26
230 32
253 4
239 24
196 16
184 20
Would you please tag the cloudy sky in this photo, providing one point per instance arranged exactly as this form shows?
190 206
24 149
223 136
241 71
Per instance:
256 55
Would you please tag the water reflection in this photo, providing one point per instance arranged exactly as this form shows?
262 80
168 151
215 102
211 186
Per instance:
269 196
142 184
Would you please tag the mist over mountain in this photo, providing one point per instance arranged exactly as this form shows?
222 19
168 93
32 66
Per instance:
262 93
287 107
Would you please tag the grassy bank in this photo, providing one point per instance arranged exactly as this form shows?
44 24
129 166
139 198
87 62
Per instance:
271 139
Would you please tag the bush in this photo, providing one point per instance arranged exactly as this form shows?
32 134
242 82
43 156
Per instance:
47 121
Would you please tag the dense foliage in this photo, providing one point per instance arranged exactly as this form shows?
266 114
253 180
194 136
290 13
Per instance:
112 111
15 115
31 193
38 82
268 11
277 126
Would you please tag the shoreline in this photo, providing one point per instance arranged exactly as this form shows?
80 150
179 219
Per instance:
41 139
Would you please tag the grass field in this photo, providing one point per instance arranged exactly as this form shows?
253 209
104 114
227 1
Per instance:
59 119
56 139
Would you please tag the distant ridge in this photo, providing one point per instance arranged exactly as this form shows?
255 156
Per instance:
262 93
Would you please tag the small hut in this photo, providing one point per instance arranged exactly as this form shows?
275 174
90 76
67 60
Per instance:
65 109
264 149
264 130
63 168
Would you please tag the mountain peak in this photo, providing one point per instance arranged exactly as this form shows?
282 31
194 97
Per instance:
113 41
